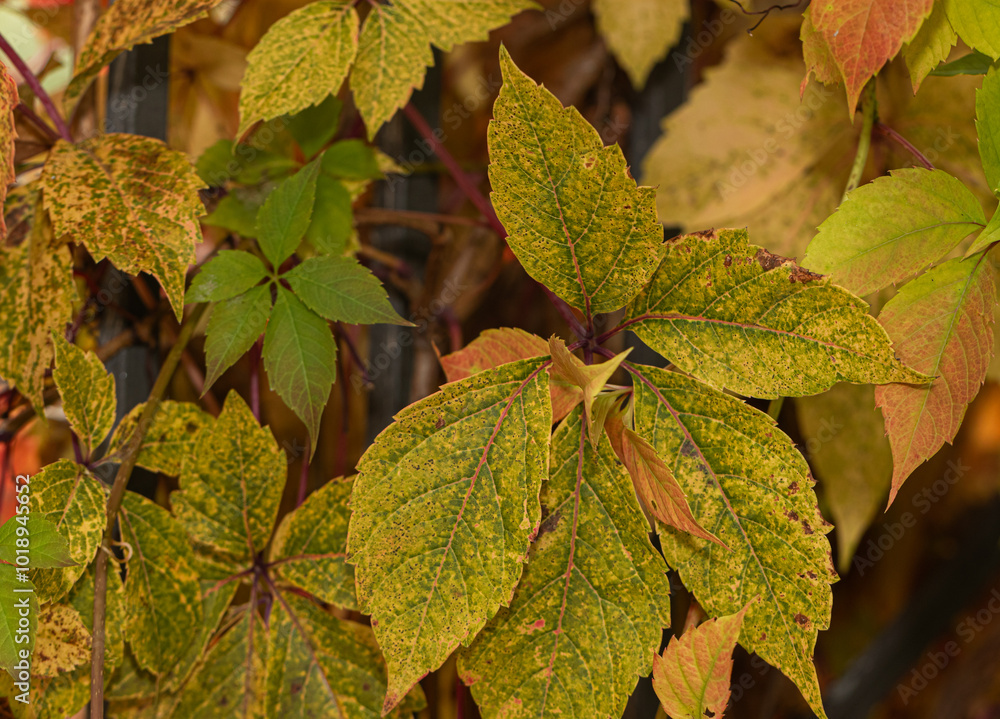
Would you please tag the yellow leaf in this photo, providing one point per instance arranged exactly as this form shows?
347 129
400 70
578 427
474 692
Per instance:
640 32
589 378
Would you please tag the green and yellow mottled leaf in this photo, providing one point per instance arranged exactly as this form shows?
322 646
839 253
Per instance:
62 642
81 599
36 298
987 238
300 61
88 393
130 199
640 32
892 228
169 440
340 289
162 596
228 274
123 25
575 217
740 318
977 22
8 101
233 327
35 539
590 610
443 510
988 124
228 499
323 666
284 217
309 549
17 596
942 324
748 486
71 498
931 45
837 428
300 356
589 378
691 677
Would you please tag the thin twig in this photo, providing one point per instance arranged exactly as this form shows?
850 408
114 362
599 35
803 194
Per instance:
36 87
868 104
129 458
303 481
886 131
765 12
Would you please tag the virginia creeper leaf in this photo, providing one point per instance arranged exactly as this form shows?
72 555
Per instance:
738 317
340 289
988 125
316 125
942 324
302 58
130 199
62 642
123 25
351 160
300 358
309 549
930 46
169 440
640 32
747 485
233 328
443 510
81 598
245 164
47 547
837 427
691 677
863 35
335 662
589 378
8 101
989 236
817 55
975 63
162 596
228 274
977 22
892 228
495 347
87 391
71 498
236 212
332 220
14 595
228 499
575 217
590 610
284 218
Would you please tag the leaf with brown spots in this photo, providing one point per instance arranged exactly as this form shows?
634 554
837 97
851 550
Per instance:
130 199
62 642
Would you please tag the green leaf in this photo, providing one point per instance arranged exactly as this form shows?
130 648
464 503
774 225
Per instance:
332 220
309 548
302 58
590 610
236 212
16 595
228 499
640 32
740 318
989 236
46 547
123 25
394 48
976 22
577 221
162 596
930 47
8 101
342 290
351 160
837 428
988 125
71 498
975 63
314 126
88 393
942 324
324 667
300 356
233 328
894 227
228 274
442 513
169 440
36 299
246 164
284 217
130 199
748 486
691 678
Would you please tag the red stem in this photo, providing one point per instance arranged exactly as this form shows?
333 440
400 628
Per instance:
303 480
887 131
32 117
36 87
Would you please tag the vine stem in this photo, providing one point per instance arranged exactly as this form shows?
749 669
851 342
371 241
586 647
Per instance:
129 457
888 132
868 104
36 87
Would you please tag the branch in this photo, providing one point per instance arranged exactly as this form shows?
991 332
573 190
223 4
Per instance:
36 87
129 457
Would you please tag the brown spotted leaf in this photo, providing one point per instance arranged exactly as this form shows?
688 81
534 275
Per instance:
87 391
62 642
590 610
443 509
169 441
130 199
8 101
740 318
